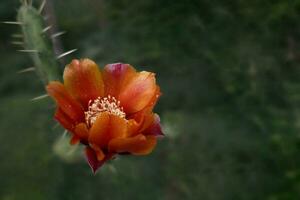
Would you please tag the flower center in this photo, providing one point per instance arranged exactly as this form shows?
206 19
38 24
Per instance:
100 105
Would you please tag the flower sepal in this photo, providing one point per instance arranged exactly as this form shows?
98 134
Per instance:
92 159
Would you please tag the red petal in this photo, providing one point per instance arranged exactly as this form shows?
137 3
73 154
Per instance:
74 140
116 76
99 153
92 160
66 103
154 128
83 80
64 120
81 131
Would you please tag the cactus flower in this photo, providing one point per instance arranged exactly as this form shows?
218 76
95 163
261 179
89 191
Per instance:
110 111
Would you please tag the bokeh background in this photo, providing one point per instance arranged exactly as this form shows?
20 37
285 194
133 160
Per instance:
229 73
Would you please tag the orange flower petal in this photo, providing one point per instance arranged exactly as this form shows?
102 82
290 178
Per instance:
81 131
74 140
138 93
133 127
137 145
83 80
148 120
66 103
154 98
140 122
107 127
116 76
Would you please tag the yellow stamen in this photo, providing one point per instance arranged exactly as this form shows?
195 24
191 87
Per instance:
99 105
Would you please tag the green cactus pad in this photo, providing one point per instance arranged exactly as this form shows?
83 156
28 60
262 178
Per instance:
38 44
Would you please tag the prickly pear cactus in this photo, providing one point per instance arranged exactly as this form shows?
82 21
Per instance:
36 42
38 45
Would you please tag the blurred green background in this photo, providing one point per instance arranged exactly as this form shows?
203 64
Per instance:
229 73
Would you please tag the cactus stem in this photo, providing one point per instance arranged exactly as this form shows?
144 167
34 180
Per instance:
66 53
42 7
29 69
11 22
39 97
38 45
28 51
46 17
25 2
46 29
57 34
